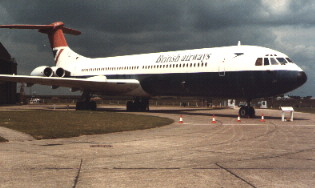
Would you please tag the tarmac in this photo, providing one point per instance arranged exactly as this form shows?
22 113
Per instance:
195 153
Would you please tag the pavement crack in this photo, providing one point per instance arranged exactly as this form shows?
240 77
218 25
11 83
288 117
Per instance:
78 175
237 176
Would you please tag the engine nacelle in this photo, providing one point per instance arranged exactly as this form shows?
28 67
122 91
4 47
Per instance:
42 71
60 72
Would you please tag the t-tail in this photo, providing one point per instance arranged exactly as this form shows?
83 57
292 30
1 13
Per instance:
64 57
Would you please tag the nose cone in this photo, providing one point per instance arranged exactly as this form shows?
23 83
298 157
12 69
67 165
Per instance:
301 78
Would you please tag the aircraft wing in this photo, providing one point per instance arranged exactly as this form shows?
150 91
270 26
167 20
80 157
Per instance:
93 84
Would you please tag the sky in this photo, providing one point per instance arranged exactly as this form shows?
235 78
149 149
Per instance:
122 27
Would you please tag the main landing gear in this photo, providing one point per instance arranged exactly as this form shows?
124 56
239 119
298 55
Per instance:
84 103
247 111
139 104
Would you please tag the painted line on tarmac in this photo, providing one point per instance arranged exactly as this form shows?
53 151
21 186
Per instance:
204 124
244 124
228 124
302 125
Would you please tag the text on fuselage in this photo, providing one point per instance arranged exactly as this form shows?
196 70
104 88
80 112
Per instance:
177 58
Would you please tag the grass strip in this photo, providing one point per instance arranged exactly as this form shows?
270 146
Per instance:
65 124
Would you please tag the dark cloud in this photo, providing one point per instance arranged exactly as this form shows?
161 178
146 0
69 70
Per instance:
119 27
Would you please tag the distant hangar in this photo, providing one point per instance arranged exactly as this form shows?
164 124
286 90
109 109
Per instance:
7 66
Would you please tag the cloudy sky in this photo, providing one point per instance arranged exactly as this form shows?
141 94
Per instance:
121 27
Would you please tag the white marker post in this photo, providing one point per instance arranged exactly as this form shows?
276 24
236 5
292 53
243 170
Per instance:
287 109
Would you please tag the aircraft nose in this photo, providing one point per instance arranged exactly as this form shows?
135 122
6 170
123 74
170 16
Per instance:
301 78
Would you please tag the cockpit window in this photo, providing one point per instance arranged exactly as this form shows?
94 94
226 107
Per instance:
273 61
282 61
259 62
266 61
289 60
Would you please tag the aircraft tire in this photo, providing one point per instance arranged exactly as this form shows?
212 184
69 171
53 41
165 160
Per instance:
251 112
246 112
90 105
78 106
130 106
243 112
136 106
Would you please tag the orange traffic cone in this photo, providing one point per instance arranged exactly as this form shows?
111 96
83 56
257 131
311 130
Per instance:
181 119
213 119
238 118
262 118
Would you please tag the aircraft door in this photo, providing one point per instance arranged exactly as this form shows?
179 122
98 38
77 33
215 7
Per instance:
222 67
219 60
222 63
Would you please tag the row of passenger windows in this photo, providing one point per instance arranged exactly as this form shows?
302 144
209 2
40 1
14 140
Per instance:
111 68
147 67
183 65
272 61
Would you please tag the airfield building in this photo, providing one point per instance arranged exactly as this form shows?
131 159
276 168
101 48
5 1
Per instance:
7 66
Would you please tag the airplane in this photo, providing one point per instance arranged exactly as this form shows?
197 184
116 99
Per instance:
238 72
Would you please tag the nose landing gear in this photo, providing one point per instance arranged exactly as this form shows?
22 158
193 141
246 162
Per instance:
247 111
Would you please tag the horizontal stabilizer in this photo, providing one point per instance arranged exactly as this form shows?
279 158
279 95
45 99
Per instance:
44 28
26 26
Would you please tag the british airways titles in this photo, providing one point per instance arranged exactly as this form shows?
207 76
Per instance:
177 58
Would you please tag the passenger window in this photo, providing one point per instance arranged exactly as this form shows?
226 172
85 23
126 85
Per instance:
258 62
282 61
266 61
273 61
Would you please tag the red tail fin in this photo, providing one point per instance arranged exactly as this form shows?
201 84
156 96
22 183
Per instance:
55 32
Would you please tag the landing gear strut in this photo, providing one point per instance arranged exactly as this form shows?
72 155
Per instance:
138 105
247 111
85 103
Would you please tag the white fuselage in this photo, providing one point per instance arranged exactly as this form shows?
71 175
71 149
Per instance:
221 59
213 72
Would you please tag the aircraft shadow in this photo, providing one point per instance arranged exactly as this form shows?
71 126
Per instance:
193 112
184 111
